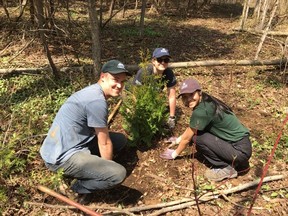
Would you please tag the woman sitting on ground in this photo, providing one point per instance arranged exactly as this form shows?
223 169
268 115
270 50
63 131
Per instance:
218 134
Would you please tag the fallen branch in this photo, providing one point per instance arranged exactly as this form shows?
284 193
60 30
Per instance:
213 195
205 63
253 183
20 51
227 63
50 205
236 204
67 200
165 207
253 31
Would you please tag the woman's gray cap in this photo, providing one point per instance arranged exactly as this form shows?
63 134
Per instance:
189 86
115 67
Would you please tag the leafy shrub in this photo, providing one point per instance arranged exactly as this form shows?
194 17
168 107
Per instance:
144 111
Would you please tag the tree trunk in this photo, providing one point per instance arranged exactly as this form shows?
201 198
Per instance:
265 9
41 24
51 11
95 32
267 29
32 11
22 8
4 4
143 8
244 14
111 8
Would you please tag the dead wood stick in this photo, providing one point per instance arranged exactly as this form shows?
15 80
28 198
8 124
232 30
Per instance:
50 205
253 31
178 207
114 111
5 48
157 206
216 194
253 183
236 204
185 205
67 200
119 211
19 52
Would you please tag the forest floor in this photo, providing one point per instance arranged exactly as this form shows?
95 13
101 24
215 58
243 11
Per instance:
257 94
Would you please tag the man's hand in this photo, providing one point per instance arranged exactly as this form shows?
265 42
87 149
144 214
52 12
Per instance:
171 122
169 154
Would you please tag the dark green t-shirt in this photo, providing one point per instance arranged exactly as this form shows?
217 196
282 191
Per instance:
228 128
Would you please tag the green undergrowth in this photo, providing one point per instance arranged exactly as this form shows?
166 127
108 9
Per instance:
28 106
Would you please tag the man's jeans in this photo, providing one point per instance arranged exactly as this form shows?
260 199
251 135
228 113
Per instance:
92 171
220 153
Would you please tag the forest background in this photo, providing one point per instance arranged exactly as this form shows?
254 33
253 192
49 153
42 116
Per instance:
50 49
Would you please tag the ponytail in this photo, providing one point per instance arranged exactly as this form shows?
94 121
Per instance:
220 106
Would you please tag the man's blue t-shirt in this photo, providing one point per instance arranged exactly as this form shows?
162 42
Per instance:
73 126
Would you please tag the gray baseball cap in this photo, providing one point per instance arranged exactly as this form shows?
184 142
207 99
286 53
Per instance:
189 86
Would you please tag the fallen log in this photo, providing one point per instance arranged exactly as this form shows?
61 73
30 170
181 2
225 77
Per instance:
213 195
253 31
134 68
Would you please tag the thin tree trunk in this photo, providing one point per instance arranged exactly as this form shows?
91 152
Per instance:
285 55
51 11
257 10
41 24
111 8
267 29
22 8
265 9
32 11
244 14
4 4
101 13
95 32
143 8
